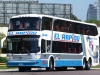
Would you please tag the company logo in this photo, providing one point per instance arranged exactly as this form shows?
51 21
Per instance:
23 33
26 32
68 37
10 33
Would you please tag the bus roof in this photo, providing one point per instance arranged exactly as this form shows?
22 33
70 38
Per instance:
41 15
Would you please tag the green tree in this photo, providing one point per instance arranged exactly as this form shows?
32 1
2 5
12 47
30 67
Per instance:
97 22
2 35
73 17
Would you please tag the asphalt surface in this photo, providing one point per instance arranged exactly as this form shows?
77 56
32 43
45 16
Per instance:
41 69
70 71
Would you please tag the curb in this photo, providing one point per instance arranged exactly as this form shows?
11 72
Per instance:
8 69
16 69
2 64
95 68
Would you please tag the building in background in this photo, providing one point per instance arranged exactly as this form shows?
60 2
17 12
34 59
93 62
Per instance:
92 12
98 9
9 8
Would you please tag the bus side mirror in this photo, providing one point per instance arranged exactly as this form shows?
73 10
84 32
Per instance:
4 50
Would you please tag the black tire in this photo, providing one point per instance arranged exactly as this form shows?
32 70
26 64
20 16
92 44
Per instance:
28 68
84 65
58 68
21 69
77 68
64 68
51 66
61 68
88 65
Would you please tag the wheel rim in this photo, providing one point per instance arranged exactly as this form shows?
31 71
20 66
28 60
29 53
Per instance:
88 64
83 65
51 66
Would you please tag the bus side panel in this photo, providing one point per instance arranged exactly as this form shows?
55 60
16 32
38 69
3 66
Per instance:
69 63
91 44
64 59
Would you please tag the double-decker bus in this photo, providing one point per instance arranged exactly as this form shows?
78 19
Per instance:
43 41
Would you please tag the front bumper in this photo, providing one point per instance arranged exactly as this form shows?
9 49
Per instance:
27 63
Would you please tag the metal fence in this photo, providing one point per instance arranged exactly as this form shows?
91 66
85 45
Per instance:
16 7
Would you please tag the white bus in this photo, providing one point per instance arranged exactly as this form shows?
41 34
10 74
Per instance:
43 41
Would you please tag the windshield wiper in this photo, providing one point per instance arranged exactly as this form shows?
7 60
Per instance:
26 50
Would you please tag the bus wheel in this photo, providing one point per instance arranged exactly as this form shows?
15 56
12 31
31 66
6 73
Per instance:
77 68
61 68
88 65
58 68
51 65
21 69
84 65
64 68
28 68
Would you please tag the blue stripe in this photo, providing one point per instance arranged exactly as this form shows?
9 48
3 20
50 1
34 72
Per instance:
32 63
39 63
72 63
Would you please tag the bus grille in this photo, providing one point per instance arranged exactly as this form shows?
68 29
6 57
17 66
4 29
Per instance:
21 57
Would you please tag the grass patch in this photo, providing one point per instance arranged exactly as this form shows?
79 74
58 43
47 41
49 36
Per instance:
2 59
5 67
98 66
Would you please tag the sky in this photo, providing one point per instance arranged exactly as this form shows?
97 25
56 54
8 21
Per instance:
79 7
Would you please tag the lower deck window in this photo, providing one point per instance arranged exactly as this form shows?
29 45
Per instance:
65 47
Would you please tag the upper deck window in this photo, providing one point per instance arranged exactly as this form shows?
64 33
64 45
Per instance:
46 23
25 23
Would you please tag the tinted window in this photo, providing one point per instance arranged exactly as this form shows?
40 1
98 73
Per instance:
73 27
63 26
46 23
25 23
23 44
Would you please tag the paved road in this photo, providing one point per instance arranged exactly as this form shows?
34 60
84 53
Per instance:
43 72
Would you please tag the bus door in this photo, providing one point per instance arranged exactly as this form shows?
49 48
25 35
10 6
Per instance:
45 46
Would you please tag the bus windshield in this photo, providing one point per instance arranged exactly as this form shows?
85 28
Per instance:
23 44
25 23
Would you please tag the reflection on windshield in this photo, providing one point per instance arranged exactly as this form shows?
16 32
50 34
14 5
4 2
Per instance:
25 23
23 45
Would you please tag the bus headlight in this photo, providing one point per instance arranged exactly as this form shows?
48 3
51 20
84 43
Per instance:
7 57
36 56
